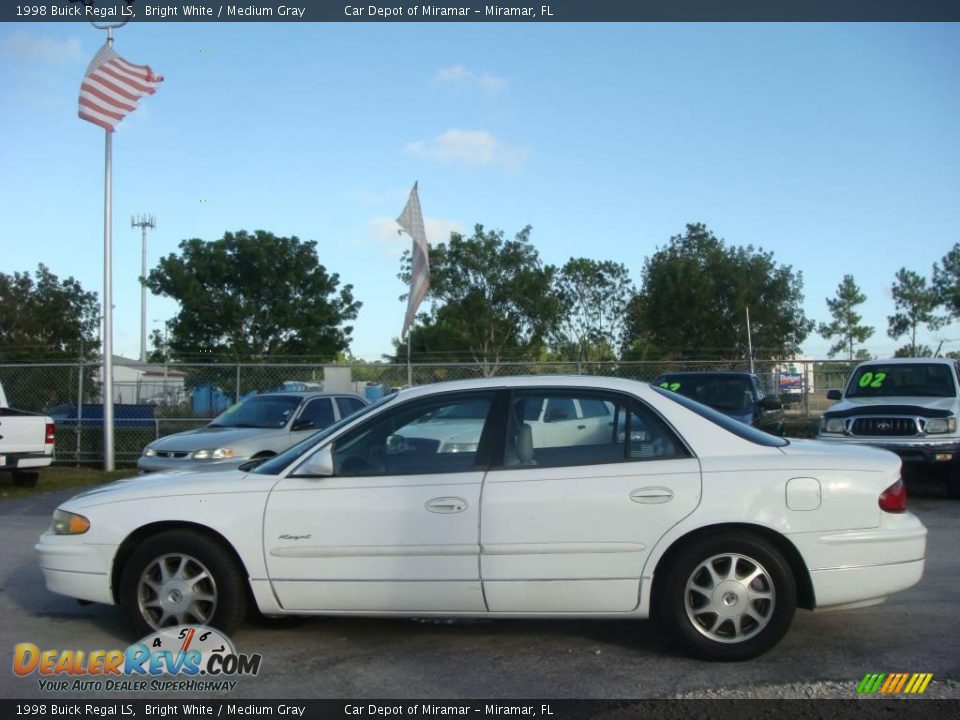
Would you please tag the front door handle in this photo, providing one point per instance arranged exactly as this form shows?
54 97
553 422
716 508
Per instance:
446 505
652 495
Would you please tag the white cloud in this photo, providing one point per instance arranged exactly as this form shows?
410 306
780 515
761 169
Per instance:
458 75
467 147
29 48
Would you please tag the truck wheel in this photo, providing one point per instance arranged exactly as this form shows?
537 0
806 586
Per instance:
26 478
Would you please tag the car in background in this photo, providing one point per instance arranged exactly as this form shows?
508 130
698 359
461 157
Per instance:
259 427
909 406
739 395
715 529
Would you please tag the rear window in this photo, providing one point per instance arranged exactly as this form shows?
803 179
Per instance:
727 423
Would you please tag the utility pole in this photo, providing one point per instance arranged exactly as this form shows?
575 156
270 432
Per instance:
143 222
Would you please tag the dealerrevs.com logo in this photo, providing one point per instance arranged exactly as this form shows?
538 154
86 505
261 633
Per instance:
189 658
894 683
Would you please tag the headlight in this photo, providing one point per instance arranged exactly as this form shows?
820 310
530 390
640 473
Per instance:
149 452
218 454
458 447
940 425
834 425
68 523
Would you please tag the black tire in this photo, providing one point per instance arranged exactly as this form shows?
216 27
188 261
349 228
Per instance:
952 483
26 478
688 615
183 553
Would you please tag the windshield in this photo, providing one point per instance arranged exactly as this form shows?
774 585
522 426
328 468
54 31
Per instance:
723 392
902 380
263 411
739 429
276 465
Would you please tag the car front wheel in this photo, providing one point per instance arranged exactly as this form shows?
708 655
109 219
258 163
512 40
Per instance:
728 596
181 577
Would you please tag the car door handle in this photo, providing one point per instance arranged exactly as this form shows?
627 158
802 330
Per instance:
652 495
446 505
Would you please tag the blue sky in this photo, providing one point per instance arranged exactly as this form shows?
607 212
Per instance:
834 146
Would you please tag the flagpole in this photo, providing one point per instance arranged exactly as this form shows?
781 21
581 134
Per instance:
108 294
409 366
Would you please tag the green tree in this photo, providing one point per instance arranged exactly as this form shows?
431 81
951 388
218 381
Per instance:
491 297
916 304
45 319
946 281
694 297
250 296
913 351
846 321
593 297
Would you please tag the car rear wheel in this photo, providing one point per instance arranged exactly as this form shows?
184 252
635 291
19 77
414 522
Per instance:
727 596
181 577
26 478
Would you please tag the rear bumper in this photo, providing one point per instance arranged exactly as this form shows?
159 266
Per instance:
22 461
858 566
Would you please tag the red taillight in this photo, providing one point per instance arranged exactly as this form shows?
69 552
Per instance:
51 434
894 498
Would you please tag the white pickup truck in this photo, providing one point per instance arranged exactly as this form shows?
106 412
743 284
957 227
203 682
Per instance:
907 405
26 443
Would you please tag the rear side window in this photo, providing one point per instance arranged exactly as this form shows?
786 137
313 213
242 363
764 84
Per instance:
319 412
739 429
348 406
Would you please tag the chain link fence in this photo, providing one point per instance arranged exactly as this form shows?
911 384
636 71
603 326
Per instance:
156 400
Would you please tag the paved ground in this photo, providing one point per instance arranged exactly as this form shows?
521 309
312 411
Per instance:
824 655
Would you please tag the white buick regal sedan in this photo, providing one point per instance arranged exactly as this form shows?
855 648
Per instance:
507 497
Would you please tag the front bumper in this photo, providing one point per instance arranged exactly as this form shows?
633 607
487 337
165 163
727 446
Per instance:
76 569
913 451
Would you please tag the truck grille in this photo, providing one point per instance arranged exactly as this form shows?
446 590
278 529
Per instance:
884 427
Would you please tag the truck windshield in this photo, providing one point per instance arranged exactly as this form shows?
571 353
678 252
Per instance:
902 380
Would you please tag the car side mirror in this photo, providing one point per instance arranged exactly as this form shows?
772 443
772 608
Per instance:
320 464
771 403
303 425
834 395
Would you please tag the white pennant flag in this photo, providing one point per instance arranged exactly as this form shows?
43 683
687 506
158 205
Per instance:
411 220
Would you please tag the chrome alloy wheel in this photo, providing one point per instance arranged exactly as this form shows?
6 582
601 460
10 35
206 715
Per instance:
176 590
729 598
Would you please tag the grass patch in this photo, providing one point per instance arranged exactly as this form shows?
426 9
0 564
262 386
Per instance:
61 478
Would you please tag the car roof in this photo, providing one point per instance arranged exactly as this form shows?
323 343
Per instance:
303 394
709 373
593 382
911 361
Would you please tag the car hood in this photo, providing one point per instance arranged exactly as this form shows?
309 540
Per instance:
892 405
170 484
445 430
208 438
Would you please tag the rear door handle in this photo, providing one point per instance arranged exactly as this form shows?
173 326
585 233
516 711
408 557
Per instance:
652 495
446 505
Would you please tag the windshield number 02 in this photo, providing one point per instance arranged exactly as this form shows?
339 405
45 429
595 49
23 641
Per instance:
873 380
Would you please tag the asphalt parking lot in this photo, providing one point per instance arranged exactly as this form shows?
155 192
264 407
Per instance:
824 654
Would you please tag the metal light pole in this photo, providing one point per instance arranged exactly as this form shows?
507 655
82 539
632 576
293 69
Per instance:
143 222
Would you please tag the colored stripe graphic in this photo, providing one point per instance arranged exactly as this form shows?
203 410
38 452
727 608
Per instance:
894 683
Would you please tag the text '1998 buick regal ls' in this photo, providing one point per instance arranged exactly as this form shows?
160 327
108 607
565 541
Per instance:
507 497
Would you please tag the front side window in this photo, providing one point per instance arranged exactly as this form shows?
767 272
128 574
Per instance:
438 435
601 432
319 412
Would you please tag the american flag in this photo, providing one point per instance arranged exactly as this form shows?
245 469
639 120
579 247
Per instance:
112 87
411 220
